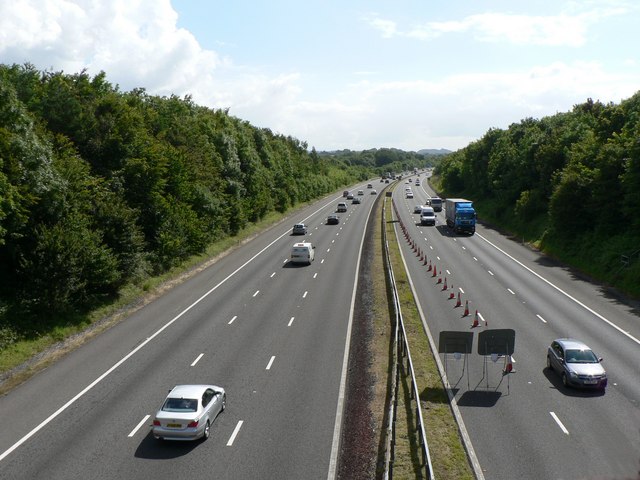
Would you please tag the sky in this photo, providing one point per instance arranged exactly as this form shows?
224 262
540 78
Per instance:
338 74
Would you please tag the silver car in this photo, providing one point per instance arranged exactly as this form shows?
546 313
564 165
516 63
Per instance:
299 229
188 412
576 363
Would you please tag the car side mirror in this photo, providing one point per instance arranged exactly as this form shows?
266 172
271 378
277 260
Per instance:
314 246
600 359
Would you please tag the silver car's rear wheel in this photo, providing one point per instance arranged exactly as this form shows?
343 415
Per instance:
549 362
565 382
207 430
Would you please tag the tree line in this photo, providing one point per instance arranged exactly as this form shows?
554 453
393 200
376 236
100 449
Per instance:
101 188
569 182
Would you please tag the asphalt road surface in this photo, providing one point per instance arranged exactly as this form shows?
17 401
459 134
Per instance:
273 334
526 424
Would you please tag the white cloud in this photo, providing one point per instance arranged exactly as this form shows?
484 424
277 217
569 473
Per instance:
137 43
563 29
134 41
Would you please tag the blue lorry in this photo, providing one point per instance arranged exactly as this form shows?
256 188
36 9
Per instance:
460 215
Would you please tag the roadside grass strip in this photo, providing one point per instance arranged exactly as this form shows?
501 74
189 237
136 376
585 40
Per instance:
448 455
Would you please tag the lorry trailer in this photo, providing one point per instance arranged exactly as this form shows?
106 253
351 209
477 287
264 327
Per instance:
460 215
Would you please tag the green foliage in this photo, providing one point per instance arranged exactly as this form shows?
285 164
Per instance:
570 182
101 188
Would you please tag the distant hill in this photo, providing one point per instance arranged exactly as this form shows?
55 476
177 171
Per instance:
433 151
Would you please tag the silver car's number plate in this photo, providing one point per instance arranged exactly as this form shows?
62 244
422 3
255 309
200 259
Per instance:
174 425
590 382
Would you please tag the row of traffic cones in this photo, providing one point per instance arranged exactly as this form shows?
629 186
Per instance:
477 318
434 273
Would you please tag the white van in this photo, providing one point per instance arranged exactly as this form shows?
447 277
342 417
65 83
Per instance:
427 216
302 252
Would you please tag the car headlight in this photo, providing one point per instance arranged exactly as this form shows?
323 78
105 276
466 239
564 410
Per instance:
573 374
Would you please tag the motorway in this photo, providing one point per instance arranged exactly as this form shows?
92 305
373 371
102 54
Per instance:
273 334
526 424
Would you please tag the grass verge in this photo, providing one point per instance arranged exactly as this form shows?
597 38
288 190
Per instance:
448 455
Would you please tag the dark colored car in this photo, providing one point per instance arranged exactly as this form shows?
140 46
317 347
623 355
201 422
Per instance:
333 220
576 364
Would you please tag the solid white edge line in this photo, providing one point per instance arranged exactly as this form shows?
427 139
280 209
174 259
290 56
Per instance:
270 363
233 436
142 422
590 310
337 428
51 417
477 468
197 359
562 427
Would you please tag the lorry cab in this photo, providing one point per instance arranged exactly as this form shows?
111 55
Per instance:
436 203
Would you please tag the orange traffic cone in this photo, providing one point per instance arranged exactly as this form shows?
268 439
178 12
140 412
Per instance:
424 260
439 280
466 308
435 271
475 320
508 368
459 302
430 266
452 296
444 287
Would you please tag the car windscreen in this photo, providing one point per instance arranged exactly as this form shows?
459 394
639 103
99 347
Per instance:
180 405
581 356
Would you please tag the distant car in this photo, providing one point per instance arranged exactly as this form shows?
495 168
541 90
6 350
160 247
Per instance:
299 229
374 192
369 185
382 180
356 201
386 181
360 192
342 207
409 194
333 220
576 364
345 193
417 209
350 196
188 412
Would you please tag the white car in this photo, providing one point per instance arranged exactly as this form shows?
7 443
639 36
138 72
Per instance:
409 194
188 412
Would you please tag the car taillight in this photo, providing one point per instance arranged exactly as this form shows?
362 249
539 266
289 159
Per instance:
193 424
156 423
